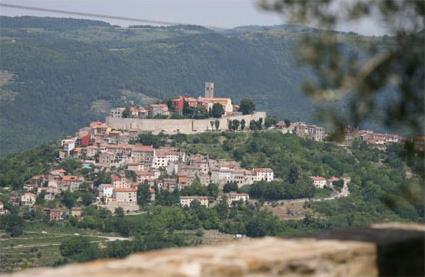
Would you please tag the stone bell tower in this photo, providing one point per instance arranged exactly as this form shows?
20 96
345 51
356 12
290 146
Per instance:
209 90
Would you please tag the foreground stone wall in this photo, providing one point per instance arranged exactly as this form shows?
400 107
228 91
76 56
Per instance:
256 257
382 250
174 126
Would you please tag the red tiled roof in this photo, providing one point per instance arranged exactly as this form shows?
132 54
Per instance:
68 178
318 178
126 190
118 146
115 178
144 173
142 148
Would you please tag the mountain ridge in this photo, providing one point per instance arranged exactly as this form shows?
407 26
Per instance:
59 71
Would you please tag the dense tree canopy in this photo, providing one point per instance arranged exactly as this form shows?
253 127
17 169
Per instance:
69 76
217 110
247 106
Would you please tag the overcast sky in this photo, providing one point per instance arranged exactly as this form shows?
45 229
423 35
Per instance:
218 13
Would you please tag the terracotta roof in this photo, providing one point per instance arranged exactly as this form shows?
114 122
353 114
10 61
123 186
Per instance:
144 173
333 178
115 178
68 178
194 197
166 151
142 148
126 190
118 146
318 178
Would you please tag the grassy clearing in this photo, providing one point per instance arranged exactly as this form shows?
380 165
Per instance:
213 237
60 228
14 259
213 150
289 210
36 249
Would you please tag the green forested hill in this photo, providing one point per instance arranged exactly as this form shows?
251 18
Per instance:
58 74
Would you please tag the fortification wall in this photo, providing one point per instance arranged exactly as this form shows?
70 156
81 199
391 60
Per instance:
174 126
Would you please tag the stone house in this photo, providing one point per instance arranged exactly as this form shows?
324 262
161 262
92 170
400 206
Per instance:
143 154
186 201
319 182
236 197
28 199
57 214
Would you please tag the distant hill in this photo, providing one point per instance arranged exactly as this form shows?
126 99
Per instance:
59 74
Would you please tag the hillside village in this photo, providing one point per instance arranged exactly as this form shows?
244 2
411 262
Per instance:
116 140
133 164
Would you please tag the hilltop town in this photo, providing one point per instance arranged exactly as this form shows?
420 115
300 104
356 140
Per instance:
305 157
133 163
202 155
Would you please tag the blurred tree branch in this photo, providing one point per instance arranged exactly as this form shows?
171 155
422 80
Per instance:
389 68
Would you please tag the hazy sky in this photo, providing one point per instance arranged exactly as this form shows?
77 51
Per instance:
219 13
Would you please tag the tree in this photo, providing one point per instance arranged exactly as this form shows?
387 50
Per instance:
212 190
102 177
230 186
387 68
212 124
270 121
118 249
71 165
126 113
68 199
12 223
170 105
294 174
217 124
196 188
200 113
235 124
338 184
119 212
247 106
187 110
78 249
302 188
150 139
253 125
222 209
263 224
143 195
217 110
267 190
230 124
87 198
243 124
260 123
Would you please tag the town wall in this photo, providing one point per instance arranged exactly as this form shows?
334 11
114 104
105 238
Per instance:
174 126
